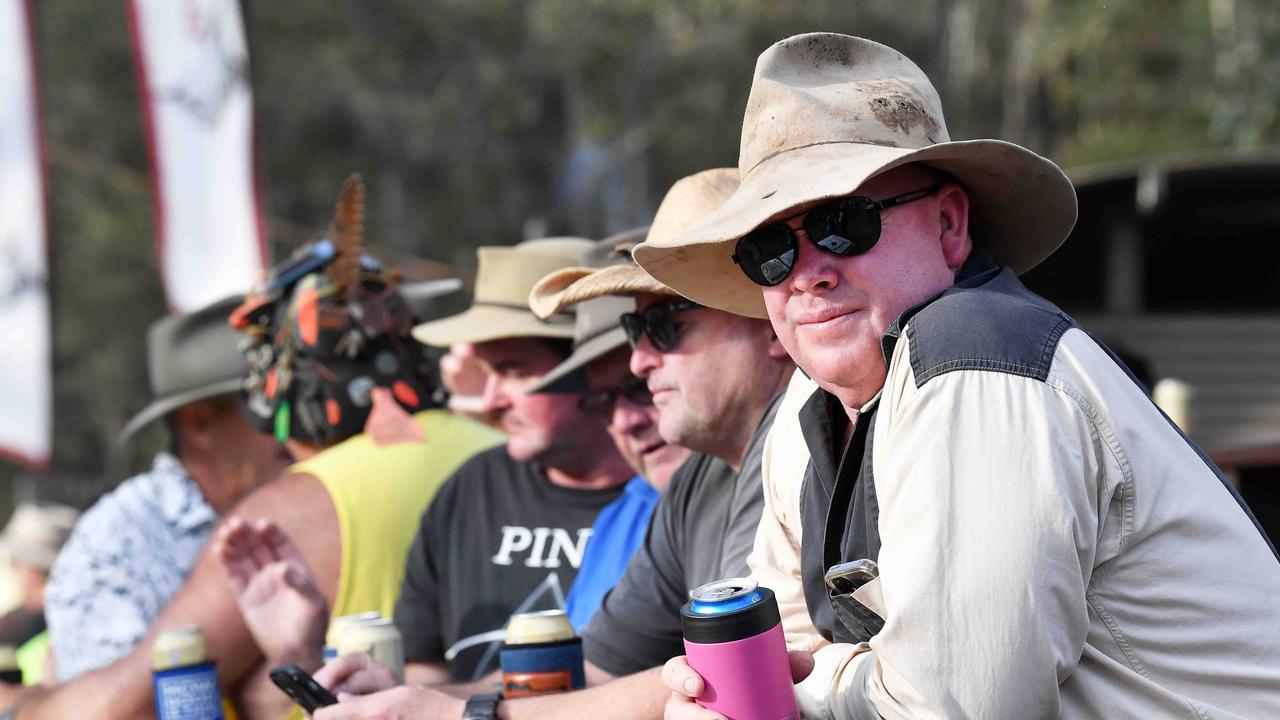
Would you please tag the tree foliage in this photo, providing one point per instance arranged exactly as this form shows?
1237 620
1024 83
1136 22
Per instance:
479 121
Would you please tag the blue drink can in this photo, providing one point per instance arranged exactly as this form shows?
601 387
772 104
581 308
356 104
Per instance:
184 680
541 655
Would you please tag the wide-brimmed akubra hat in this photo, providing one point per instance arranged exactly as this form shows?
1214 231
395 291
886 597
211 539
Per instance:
190 356
504 277
689 200
826 113
597 326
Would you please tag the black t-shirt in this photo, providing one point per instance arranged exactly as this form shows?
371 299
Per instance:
499 538
702 530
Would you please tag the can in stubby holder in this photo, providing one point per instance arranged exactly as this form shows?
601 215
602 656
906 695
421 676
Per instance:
184 680
379 638
541 655
733 638
339 624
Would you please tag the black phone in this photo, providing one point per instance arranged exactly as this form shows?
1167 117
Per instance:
302 688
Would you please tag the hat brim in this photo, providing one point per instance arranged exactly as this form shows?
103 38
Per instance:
565 288
568 376
483 323
163 406
1022 207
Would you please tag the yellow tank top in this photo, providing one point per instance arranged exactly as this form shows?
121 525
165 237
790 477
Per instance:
380 492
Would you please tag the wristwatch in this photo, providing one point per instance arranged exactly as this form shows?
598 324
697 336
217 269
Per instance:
482 706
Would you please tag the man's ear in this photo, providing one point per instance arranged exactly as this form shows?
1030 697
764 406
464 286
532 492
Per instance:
776 351
953 225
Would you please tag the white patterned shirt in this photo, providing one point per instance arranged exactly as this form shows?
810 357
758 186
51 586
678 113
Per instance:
126 558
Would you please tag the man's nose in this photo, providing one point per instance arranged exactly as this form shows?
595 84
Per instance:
495 396
630 417
814 270
644 358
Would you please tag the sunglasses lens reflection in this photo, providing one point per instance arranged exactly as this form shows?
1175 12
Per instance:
767 255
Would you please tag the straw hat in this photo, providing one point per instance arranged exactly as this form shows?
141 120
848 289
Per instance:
36 532
191 356
689 200
826 113
597 327
504 277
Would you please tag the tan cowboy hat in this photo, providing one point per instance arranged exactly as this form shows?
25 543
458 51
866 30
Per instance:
190 356
504 277
826 113
689 200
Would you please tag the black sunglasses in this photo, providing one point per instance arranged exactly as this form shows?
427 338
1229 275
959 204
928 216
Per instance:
601 402
655 321
847 226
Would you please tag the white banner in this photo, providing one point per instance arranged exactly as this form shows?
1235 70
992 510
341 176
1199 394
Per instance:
192 61
25 397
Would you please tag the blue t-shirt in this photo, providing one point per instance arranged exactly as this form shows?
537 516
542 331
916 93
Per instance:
617 533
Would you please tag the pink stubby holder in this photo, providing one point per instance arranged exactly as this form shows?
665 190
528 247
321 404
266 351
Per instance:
733 638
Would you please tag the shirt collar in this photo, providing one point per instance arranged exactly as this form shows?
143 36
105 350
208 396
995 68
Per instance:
180 501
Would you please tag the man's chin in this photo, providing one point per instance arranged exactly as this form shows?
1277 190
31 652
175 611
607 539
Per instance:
523 449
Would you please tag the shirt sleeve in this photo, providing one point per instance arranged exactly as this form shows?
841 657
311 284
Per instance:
775 556
636 627
987 485
418 611
98 604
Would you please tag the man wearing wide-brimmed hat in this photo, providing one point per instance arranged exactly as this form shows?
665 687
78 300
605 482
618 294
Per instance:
1035 538
526 510
132 550
598 369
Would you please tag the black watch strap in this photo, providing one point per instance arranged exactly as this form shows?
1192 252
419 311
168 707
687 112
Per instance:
483 706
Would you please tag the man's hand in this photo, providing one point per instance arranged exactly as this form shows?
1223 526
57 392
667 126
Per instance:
277 593
356 674
685 685
401 703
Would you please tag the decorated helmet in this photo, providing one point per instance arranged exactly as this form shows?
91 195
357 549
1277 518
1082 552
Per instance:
323 330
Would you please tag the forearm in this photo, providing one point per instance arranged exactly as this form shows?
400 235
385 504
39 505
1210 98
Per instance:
428 674
489 683
116 692
635 697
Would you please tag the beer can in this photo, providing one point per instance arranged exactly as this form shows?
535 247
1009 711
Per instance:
184 680
541 655
339 624
379 638
733 639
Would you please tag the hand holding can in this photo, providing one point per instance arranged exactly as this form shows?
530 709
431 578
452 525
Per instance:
733 637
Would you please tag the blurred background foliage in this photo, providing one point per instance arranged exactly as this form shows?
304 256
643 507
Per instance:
486 121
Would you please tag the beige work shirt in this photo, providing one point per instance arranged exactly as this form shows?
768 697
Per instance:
1121 580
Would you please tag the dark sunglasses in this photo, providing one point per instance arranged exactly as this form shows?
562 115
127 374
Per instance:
655 321
847 226
601 402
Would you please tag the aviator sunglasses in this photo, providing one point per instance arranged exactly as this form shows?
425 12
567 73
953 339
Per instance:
655 321
601 402
847 226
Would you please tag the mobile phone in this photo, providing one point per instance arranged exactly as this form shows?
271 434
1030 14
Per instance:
845 578
302 688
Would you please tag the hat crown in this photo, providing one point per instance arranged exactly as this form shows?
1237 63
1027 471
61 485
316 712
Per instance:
690 200
505 275
194 350
823 88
